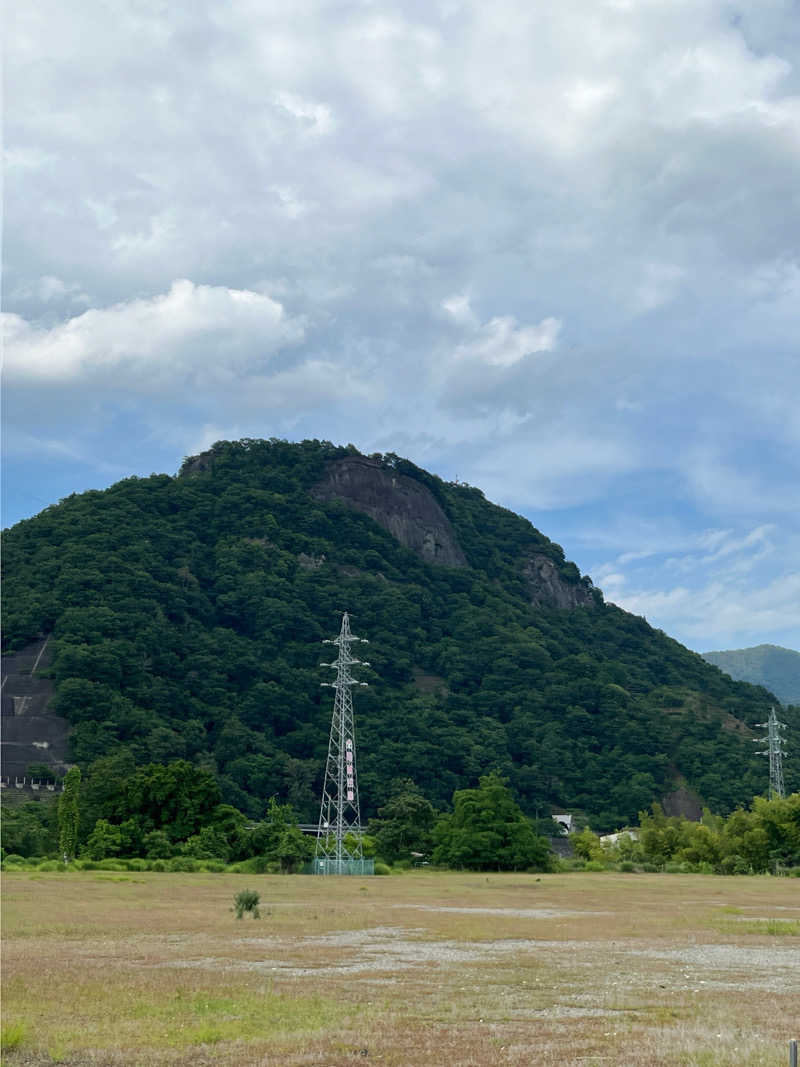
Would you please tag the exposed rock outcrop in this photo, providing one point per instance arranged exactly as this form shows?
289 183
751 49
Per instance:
404 507
429 683
199 464
310 563
683 802
548 589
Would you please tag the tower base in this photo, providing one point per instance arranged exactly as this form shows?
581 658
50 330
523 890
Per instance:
327 866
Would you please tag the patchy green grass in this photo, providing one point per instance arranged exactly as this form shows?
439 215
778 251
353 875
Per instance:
12 1036
423 968
772 927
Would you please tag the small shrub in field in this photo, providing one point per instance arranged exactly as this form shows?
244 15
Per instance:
12 1036
247 900
627 867
157 865
594 865
382 868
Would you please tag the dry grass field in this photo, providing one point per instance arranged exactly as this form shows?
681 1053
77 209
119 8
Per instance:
424 968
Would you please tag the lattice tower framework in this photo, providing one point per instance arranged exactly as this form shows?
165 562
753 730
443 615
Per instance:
339 847
774 749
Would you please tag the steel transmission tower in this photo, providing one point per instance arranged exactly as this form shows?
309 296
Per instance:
339 848
774 749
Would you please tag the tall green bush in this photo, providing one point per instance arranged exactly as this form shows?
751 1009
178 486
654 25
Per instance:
69 814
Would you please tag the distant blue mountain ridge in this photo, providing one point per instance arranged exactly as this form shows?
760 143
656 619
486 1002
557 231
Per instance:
776 668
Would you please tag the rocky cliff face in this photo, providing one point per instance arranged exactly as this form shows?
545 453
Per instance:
410 512
199 464
547 588
404 507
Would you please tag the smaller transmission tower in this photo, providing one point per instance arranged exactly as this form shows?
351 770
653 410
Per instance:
774 749
339 847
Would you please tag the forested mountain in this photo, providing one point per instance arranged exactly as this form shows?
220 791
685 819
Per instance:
187 613
776 668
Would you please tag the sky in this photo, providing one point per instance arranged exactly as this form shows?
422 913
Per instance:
551 250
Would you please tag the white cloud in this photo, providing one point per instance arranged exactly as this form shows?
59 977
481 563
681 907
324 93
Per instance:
317 118
48 290
432 190
723 588
589 97
734 484
309 387
292 204
49 448
26 158
501 342
535 471
722 543
192 333
718 614
459 308
209 434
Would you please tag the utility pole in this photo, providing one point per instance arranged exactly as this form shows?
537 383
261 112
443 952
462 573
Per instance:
774 749
339 847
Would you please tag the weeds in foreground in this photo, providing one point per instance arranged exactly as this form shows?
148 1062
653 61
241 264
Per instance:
12 1035
781 927
771 927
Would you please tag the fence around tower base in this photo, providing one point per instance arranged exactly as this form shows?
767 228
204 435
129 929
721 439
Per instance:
334 866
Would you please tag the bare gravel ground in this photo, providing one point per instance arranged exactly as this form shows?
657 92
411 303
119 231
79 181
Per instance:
424 968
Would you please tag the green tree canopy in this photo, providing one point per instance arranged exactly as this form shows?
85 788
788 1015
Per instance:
178 798
488 831
404 824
